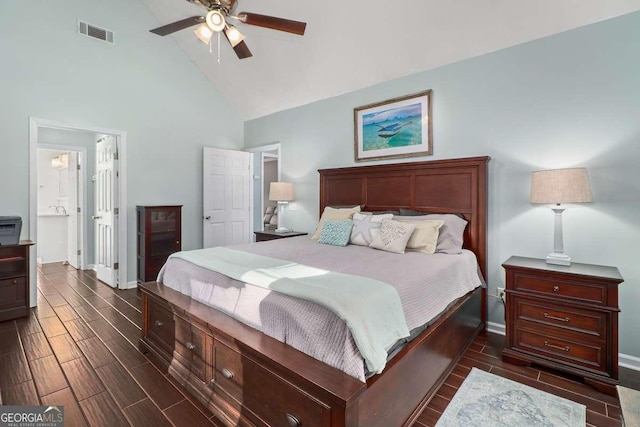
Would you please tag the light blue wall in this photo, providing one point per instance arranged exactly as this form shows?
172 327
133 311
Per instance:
143 84
572 99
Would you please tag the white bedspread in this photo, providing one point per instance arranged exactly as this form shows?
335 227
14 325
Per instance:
426 284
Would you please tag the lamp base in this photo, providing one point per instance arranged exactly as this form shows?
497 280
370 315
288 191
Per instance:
282 230
558 259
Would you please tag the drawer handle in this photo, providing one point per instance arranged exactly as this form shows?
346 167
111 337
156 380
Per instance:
159 323
191 346
293 421
561 319
557 347
227 373
556 288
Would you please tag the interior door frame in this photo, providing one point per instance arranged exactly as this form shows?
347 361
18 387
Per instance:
36 123
83 206
264 149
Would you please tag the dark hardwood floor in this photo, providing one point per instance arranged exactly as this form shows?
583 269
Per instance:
79 349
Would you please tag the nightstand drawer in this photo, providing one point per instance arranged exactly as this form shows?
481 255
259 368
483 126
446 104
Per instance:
579 291
12 265
13 293
573 319
571 351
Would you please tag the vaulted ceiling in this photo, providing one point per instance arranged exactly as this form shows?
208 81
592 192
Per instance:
353 44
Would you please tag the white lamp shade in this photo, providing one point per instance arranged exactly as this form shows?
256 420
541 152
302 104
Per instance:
560 186
281 192
234 35
204 33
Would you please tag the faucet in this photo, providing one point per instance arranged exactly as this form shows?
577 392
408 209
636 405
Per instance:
64 211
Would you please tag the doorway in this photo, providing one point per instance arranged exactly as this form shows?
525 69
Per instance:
267 163
43 133
61 210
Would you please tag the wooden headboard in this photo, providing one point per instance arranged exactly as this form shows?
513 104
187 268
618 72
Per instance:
438 186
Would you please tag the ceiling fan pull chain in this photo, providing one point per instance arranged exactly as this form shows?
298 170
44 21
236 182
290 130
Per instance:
210 49
219 46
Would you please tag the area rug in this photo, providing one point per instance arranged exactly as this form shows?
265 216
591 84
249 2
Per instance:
630 405
485 399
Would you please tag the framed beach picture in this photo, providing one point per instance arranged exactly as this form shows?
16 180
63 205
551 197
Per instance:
398 127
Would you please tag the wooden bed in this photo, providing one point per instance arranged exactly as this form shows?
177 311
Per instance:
248 378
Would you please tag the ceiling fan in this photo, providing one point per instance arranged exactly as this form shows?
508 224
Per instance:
217 21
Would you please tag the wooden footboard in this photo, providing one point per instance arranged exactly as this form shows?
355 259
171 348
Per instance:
248 378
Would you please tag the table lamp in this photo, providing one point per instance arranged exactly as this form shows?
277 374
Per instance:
283 193
559 186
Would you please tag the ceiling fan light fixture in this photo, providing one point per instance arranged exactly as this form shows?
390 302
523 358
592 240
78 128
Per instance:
234 35
215 20
204 33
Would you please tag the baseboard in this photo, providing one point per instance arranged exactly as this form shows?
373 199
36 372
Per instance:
628 361
624 360
496 328
130 285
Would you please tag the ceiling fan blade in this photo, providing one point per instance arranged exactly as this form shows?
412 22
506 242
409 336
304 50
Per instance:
178 25
241 49
280 24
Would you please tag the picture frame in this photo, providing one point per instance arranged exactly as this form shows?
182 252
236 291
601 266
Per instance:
395 128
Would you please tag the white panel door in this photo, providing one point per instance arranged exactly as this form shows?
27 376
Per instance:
105 210
226 197
73 235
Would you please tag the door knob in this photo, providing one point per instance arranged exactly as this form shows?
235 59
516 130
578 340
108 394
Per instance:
96 217
207 218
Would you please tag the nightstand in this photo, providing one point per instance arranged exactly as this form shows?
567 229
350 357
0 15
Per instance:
565 318
14 280
263 236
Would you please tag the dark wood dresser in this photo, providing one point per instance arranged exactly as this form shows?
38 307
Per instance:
565 318
14 280
159 235
263 236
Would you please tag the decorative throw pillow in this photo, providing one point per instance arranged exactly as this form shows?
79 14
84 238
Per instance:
366 227
425 237
336 232
330 213
393 236
451 235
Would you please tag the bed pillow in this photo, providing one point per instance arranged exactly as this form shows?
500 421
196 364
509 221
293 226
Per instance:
451 235
380 212
366 227
335 214
336 233
425 236
410 212
393 236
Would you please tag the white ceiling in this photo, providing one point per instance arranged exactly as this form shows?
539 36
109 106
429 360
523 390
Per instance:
358 43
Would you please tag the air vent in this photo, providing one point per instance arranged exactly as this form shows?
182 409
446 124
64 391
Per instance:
92 31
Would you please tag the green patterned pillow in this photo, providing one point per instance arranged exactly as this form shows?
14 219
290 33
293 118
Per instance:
336 233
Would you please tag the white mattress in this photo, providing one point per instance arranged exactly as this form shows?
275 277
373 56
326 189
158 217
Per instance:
426 285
